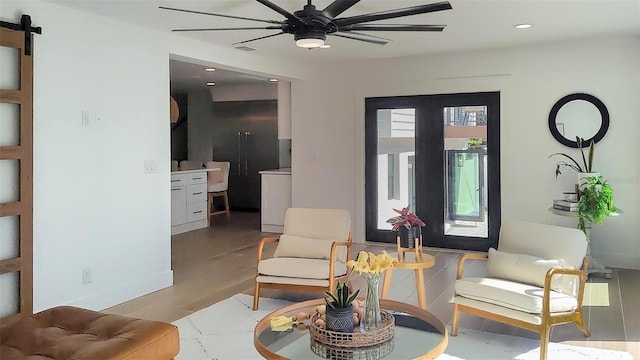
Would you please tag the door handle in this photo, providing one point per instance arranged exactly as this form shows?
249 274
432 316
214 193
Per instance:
239 154
246 150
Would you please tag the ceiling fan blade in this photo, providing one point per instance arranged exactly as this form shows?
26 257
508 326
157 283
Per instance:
258 38
224 29
220 15
292 18
361 37
365 35
339 6
390 14
390 27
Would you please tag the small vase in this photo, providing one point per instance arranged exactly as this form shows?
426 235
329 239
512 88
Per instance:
340 319
372 317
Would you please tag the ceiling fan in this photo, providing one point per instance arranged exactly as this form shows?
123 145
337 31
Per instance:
311 26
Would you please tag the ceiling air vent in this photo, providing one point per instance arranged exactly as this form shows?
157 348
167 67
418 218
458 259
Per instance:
245 48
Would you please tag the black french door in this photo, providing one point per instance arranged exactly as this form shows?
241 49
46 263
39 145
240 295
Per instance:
439 155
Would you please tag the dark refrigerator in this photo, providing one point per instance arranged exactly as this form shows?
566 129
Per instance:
246 135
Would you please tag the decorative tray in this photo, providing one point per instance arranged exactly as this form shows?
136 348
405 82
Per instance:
358 338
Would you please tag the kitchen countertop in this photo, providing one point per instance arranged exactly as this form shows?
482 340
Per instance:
192 171
281 171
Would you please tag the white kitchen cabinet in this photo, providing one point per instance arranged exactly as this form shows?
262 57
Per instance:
178 205
188 200
276 199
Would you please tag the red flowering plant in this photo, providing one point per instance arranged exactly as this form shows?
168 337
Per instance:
406 219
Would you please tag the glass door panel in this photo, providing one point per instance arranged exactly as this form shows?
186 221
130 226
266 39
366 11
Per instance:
395 153
465 139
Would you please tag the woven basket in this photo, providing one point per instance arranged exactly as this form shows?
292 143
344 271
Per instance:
355 339
365 353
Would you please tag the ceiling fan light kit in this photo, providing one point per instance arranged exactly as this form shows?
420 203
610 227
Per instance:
312 39
311 26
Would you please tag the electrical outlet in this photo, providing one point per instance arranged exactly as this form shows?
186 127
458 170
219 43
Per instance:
86 276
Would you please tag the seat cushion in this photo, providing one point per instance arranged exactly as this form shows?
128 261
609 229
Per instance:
299 268
523 268
310 248
513 295
73 333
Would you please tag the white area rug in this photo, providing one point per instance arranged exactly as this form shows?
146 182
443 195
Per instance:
224 331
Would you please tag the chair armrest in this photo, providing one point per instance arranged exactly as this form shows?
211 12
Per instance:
582 277
332 258
468 256
263 242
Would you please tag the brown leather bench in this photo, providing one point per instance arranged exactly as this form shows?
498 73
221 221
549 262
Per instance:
72 333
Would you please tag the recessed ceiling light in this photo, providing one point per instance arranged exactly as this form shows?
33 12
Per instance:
211 83
522 26
209 69
273 80
325 46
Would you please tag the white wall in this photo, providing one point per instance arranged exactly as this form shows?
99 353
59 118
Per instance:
328 127
94 207
245 92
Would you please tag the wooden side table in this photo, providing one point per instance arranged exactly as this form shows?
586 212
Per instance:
417 262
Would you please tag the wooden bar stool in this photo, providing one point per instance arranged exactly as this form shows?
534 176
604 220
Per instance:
217 185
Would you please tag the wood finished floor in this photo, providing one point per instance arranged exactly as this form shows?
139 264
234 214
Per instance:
210 265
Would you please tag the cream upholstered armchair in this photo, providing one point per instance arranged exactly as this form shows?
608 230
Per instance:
534 280
311 253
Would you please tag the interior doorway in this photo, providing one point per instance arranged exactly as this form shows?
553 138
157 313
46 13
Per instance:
229 116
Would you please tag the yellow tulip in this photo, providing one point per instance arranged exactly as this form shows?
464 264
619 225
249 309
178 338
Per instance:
372 259
350 264
362 256
375 268
385 263
359 267
281 322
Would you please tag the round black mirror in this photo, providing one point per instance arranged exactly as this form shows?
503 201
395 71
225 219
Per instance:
578 115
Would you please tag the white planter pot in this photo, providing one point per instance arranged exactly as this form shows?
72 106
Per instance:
582 178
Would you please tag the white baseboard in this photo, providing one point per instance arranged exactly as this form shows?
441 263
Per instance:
126 292
179 229
620 261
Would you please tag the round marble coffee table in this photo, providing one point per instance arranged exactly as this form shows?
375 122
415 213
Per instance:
418 335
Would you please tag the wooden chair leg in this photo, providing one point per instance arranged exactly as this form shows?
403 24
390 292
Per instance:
226 204
582 325
454 320
544 341
256 296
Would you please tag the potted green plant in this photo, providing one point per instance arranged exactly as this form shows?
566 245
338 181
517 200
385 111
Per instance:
596 202
339 313
587 162
408 225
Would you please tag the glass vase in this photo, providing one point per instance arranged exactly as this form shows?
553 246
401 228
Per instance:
371 317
